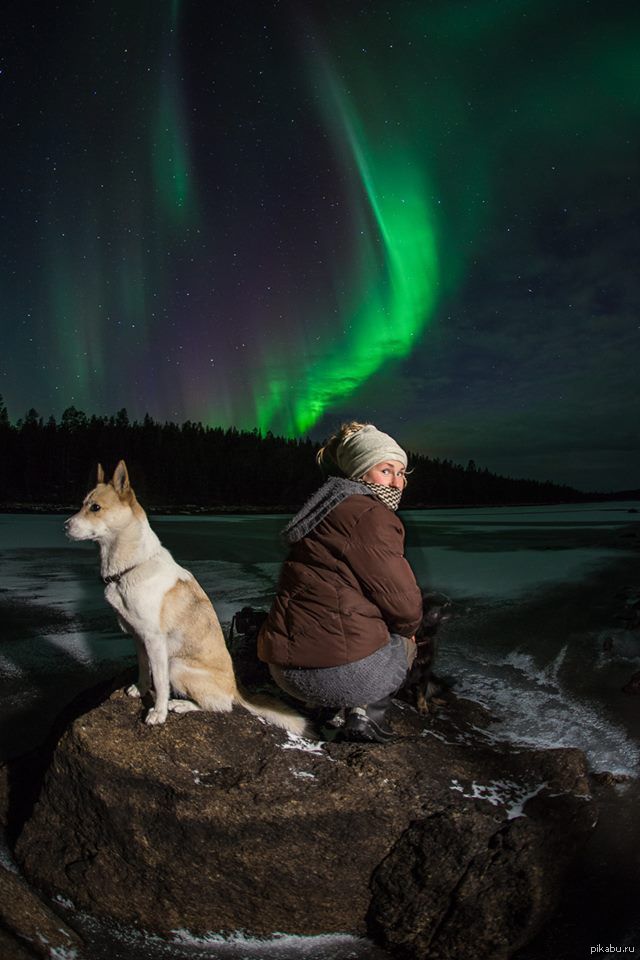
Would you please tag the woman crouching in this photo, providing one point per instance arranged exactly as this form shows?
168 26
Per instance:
340 630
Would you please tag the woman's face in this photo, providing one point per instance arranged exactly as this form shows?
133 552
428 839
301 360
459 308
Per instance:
389 473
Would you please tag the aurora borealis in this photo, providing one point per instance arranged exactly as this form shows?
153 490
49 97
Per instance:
280 215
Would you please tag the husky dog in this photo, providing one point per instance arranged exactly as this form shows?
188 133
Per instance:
178 637
421 686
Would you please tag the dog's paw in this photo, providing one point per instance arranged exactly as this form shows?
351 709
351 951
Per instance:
182 706
421 704
155 717
133 691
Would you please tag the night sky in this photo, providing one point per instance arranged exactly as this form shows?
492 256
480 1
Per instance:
283 215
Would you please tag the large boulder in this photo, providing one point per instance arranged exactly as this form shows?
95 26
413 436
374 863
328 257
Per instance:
444 843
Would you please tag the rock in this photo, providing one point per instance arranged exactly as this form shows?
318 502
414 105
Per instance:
12 949
458 884
28 919
4 794
608 779
443 841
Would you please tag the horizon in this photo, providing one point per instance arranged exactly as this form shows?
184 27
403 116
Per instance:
134 421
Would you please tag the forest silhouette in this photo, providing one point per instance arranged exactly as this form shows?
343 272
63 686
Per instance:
198 468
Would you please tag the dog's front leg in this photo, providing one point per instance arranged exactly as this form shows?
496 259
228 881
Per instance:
421 703
156 648
143 685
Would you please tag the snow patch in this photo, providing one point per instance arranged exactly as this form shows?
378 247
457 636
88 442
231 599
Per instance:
501 793
64 902
6 860
296 742
302 774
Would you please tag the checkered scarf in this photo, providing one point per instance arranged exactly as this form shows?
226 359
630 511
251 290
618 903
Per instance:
390 496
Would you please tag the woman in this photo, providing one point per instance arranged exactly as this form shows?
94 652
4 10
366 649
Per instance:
340 631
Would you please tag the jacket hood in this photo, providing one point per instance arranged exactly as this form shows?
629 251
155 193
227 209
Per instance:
322 502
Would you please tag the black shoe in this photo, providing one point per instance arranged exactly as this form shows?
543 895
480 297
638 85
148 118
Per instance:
323 716
368 724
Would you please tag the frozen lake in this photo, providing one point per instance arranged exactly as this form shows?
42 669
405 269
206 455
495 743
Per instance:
539 636
534 588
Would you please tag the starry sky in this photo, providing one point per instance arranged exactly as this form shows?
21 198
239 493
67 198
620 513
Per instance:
281 215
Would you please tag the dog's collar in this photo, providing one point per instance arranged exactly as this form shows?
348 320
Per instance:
117 577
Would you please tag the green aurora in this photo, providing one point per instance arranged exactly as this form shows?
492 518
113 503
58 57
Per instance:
426 159
393 287
286 218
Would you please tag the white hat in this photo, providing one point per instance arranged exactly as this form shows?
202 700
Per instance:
363 449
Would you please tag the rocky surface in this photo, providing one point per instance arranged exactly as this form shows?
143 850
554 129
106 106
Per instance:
457 876
12 949
28 928
445 842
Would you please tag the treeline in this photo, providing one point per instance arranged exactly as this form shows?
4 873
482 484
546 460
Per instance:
191 465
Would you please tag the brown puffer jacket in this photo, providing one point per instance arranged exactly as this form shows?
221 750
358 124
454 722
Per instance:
344 587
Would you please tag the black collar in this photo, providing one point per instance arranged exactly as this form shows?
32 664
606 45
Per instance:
117 577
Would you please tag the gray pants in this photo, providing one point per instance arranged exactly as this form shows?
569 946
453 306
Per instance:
351 684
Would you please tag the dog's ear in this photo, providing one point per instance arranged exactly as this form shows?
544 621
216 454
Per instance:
120 478
99 474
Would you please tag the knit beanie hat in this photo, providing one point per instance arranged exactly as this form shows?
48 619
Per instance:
360 451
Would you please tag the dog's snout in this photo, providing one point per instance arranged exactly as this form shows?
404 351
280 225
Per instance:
69 527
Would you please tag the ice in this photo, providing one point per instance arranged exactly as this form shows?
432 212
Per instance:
281 946
76 645
579 514
443 546
218 946
232 586
506 574
542 676
534 709
10 670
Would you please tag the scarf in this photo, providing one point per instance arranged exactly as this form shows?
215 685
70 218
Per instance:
390 496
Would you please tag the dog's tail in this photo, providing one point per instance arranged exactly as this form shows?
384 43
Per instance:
273 711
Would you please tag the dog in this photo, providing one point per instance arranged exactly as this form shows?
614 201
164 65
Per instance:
179 641
420 685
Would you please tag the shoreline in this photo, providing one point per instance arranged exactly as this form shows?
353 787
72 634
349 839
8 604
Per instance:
190 510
